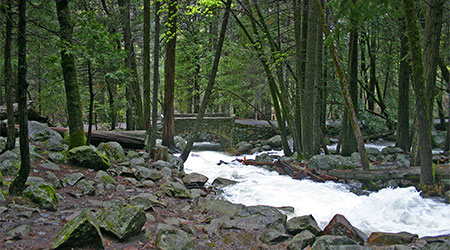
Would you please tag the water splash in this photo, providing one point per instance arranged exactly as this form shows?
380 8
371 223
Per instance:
388 210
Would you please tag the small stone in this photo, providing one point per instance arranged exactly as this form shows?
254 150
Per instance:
143 173
120 188
2 208
87 187
137 162
198 193
57 157
72 179
54 180
266 148
148 183
50 166
244 147
175 189
20 232
170 238
34 180
160 164
104 178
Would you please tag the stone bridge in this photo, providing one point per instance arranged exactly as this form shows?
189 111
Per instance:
226 130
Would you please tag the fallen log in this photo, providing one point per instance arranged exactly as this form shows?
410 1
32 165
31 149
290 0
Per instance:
411 173
97 137
33 115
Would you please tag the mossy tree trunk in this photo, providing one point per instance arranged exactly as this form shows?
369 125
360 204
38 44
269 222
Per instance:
18 185
75 122
146 70
348 140
152 136
423 118
9 85
169 71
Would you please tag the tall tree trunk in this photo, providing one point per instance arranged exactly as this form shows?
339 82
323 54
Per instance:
152 135
18 185
308 90
169 71
403 134
299 55
211 80
76 130
446 75
9 85
318 91
371 46
91 102
344 87
134 89
147 98
110 85
348 140
422 115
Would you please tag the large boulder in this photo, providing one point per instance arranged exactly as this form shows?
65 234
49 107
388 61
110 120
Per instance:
272 236
257 217
221 207
40 132
43 195
220 182
385 239
113 150
122 220
298 224
326 162
194 180
81 232
180 142
244 147
176 189
143 173
89 157
275 142
170 238
9 163
340 226
301 240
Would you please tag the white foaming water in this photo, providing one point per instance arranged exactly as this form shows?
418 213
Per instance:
388 210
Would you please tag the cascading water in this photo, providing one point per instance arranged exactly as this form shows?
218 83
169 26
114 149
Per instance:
388 210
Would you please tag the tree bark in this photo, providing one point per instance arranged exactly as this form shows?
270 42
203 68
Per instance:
169 71
348 140
76 130
299 72
91 102
371 45
422 102
403 134
152 135
307 104
9 85
18 185
211 80
446 76
318 123
345 91
146 70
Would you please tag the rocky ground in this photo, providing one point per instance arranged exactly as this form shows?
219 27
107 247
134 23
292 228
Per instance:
106 198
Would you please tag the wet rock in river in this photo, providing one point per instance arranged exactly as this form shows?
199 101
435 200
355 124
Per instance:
384 239
332 242
340 226
194 180
301 240
298 224
220 182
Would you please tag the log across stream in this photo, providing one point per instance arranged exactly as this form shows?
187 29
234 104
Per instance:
387 210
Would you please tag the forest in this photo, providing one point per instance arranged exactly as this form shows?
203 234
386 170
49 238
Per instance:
382 66
322 71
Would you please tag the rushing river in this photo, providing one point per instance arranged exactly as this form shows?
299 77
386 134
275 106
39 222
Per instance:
388 210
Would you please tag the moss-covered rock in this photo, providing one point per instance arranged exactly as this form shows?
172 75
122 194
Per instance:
122 221
2 143
57 157
1 179
9 163
170 238
43 195
113 150
298 224
176 189
82 231
89 157
301 240
72 179
104 178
